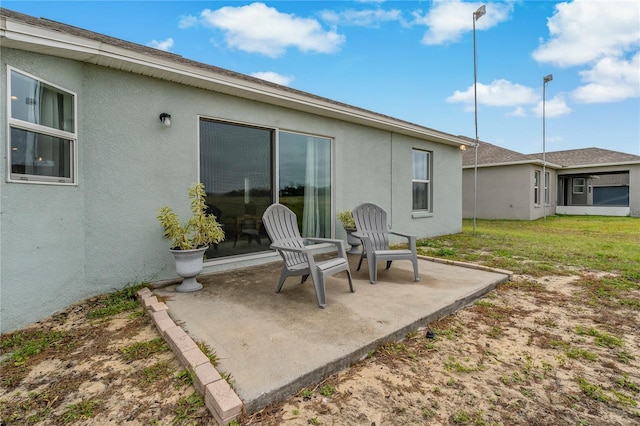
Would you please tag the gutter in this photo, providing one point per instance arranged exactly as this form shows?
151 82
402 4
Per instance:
515 163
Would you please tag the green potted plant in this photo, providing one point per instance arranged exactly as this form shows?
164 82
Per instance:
349 225
191 240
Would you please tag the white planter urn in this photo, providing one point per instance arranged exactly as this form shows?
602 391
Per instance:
354 242
188 266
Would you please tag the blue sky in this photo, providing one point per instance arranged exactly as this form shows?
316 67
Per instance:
413 60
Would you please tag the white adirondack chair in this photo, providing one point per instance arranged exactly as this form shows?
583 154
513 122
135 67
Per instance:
282 227
371 226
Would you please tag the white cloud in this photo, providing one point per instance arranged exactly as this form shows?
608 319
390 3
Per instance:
500 93
524 100
448 20
518 112
165 45
364 18
610 80
260 29
554 107
188 21
273 77
584 31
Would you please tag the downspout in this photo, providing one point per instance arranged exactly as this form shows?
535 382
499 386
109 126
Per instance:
391 180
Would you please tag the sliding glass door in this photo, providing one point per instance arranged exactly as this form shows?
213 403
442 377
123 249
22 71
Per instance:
237 167
305 181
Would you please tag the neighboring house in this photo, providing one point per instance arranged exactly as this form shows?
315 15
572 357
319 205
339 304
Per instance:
88 163
510 185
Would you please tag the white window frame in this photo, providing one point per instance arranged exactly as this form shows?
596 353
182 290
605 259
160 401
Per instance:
429 164
536 187
546 188
44 130
575 185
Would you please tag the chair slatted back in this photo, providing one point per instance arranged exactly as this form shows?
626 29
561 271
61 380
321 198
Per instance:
282 227
371 220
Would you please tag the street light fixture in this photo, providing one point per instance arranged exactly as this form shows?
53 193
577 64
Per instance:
476 15
545 184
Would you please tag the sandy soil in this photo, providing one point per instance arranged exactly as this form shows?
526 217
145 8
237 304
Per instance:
534 352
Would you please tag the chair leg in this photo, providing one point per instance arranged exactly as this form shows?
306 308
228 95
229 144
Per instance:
283 276
318 284
389 264
350 282
362 256
373 270
415 269
304 278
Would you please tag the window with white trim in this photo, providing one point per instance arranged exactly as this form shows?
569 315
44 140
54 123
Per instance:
578 185
43 139
421 180
536 187
546 188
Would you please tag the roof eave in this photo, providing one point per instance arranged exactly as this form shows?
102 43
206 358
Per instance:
515 163
584 166
42 40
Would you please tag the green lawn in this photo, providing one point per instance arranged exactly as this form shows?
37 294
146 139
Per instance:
559 245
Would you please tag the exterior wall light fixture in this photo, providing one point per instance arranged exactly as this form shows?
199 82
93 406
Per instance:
166 119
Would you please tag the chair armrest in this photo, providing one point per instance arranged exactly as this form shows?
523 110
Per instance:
338 243
411 238
288 248
400 234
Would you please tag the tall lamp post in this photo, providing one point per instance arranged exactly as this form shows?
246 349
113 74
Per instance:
545 80
476 15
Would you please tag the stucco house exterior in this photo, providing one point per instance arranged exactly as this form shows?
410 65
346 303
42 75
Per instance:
588 181
87 163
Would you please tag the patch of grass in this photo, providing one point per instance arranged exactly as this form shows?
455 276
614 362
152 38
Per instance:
557 245
453 365
209 353
593 391
24 344
495 332
111 304
81 411
142 350
34 408
577 353
158 371
185 376
396 350
428 413
624 382
327 390
610 291
461 417
186 410
306 393
601 338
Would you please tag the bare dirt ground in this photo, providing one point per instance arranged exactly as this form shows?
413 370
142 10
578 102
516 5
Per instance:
549 351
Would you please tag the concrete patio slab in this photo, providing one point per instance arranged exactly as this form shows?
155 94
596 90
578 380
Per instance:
274 344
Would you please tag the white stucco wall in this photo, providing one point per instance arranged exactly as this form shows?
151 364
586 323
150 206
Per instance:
504 192
63 243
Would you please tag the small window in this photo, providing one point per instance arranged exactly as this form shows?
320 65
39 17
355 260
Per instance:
546 188
578 185
42 131
536 187
421 180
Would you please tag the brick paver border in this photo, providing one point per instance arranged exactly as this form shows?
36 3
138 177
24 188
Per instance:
223 403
